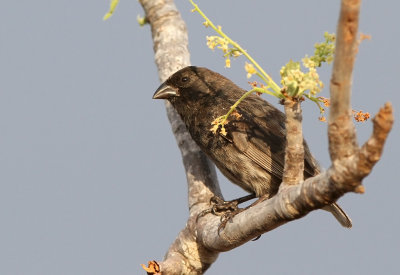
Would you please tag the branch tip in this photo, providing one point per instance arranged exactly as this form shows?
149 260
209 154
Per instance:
386 110
384 119
359 189
152 268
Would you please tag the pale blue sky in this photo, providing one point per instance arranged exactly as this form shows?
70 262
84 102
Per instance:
91 180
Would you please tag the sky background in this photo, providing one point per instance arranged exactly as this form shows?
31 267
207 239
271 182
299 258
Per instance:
91 179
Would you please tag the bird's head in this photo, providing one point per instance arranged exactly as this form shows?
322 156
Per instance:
191 84
176 83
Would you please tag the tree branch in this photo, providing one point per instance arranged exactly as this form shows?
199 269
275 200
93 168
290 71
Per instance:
341 131
199 243
185 255
349 162
294 153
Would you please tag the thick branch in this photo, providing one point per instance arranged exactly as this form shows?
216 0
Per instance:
292 202
350 164
185 255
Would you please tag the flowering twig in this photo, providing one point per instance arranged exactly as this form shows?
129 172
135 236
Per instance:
222 120
224 40
295 83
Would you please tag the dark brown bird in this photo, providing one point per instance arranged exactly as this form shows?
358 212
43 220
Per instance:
252 152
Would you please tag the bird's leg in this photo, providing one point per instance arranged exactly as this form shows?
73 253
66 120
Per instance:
219 205
228 209
260 199
222 208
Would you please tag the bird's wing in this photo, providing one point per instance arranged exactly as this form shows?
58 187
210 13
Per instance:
262 138
263 143
261 155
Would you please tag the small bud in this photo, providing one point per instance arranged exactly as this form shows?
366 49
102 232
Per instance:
250 69
227 63
141 20
236 53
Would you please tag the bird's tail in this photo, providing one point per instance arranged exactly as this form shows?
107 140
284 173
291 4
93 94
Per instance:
339 214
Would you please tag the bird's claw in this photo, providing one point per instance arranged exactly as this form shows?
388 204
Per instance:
221 207
226 209
226 217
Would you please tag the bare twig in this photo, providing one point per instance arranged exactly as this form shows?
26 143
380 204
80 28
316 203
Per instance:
341 130
350 164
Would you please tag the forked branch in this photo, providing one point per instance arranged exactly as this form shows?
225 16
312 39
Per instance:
199 243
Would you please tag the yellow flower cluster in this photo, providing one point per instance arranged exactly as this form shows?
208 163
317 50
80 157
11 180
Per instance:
223 44
296 82
250 69
219 124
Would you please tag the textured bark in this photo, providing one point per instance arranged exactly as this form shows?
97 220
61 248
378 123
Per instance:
341 130
197 246
186 255
294 153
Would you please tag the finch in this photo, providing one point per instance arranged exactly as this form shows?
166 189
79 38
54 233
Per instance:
251 150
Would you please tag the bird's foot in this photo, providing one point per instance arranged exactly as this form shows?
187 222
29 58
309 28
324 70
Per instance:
226 209
227 216
220 207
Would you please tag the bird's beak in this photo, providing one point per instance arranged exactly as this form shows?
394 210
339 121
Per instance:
165 91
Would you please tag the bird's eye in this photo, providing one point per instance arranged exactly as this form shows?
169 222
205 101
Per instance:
185 79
